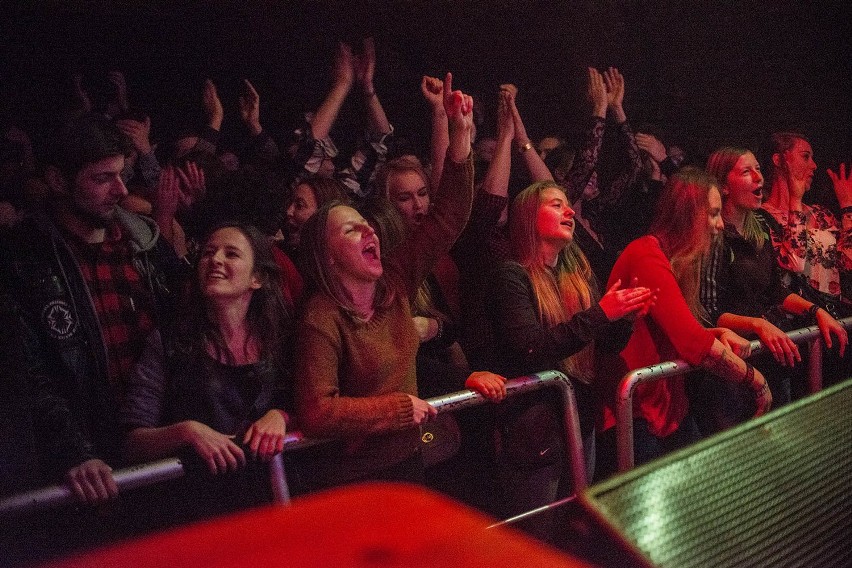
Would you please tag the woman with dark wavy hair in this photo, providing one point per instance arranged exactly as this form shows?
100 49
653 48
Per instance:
217 380
309 195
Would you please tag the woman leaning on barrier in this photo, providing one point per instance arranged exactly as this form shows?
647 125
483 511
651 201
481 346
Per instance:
742 289
548 315
814 246
668 259
217 381
357 341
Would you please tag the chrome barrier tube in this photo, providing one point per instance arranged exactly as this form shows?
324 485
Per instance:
624 404
164 470
573 438
624 401
278 480
58 495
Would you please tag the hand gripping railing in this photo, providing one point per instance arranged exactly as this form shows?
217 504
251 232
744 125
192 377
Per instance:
624 403
163 470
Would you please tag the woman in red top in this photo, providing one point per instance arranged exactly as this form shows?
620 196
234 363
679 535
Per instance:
668 260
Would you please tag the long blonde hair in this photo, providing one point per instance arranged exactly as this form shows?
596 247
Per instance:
562 291
719 164
680 225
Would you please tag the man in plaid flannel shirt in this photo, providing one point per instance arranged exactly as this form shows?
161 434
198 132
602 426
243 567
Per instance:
90 279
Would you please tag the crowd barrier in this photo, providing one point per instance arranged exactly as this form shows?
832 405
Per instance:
163 470
624 402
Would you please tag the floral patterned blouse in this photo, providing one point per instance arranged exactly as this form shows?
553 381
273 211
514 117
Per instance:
812 243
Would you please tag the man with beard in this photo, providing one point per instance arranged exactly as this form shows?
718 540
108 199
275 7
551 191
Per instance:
90 279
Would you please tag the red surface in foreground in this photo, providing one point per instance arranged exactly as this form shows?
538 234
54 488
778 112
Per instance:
371 525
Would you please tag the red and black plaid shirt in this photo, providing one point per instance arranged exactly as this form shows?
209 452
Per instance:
124 305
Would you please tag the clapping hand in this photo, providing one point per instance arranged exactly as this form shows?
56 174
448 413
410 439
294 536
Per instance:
212 105
250 108
635 301
139 133
596 93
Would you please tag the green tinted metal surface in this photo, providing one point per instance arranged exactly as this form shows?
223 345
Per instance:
776 491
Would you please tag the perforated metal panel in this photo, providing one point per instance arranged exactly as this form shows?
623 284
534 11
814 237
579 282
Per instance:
776 491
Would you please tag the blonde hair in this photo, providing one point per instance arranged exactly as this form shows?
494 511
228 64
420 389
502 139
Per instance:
562 291
680 225
391 229
400 165
719 164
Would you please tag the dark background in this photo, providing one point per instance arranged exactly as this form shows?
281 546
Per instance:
706 71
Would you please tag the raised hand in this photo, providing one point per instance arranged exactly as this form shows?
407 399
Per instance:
505 114
193 183
265 437
652 145
489 385
433 91
842 182
250 108
218 450
167 197
459 109
511 93
92 482
343 73
84 102
212 105
509 88
614 88
596 93
458 106
138 132
116 78
365 66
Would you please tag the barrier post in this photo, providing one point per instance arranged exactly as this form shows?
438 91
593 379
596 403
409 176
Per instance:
624 404
815 365
627 386
573 438
278 480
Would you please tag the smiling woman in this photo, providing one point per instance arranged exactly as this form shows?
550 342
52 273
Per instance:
226 269
217 380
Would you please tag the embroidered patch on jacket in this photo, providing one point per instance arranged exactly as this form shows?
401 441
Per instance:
59 319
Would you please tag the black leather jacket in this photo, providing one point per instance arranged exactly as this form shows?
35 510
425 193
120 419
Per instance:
74 410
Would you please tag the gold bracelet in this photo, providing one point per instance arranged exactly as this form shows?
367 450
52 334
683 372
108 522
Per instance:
525 147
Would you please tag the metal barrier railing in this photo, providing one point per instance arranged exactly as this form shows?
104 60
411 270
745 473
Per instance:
163 470
624 402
